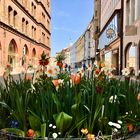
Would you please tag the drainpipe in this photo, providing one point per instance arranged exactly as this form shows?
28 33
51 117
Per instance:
121 37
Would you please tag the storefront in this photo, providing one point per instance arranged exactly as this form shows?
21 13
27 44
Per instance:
109 42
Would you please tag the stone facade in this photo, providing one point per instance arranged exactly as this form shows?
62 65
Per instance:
131 41
89 55
110 34
24 32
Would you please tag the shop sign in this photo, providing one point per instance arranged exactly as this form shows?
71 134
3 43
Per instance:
111 32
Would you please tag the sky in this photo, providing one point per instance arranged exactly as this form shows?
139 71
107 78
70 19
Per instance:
69 19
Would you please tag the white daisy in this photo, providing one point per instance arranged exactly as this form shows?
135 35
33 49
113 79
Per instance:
54 135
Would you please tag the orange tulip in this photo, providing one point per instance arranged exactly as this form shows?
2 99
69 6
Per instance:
75 78
28 78
55 82
138 97
102 65
60 64
130 127
96 72
30 133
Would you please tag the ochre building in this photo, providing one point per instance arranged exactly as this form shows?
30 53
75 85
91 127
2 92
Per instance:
24 32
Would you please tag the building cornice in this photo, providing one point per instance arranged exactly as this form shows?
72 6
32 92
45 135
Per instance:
109 20
42 5
31 17
16 32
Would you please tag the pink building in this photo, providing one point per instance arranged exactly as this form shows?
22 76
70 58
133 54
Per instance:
24 32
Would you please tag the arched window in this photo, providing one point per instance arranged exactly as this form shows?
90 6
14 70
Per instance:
33 56
26 29
9 14
23 22
25 54
14 18
130 57
34 53
12 50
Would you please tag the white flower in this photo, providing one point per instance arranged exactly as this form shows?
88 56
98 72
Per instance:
59 133
33 88
125 72
54 135
89 68
60 81
54 127
81 71
50 71
117 125
115 130
46 138
126 113
119 121
110 123
113 99
50 125
114 124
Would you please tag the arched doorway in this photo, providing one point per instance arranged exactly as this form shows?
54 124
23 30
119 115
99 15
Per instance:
33 56
130 57
12 50
25 54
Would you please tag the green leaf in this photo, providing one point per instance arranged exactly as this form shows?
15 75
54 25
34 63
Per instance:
74 108
57 102
63 121
34 121
14 131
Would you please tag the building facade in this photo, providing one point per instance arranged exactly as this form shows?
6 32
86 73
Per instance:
24 32
131 41
67 55
110 36
89 53
73 55
80 51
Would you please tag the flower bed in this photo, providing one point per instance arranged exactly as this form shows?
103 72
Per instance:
55 103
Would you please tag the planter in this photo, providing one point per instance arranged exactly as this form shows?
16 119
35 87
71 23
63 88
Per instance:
6 136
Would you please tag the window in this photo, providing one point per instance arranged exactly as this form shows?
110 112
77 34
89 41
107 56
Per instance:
48 3
25 54
130 57
48 24
12 53
14 18
43 37
23 22
26 28
32 7
48 41
35 33
33 56
130 11
32 31
43 17
9 14
34 10
96 13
